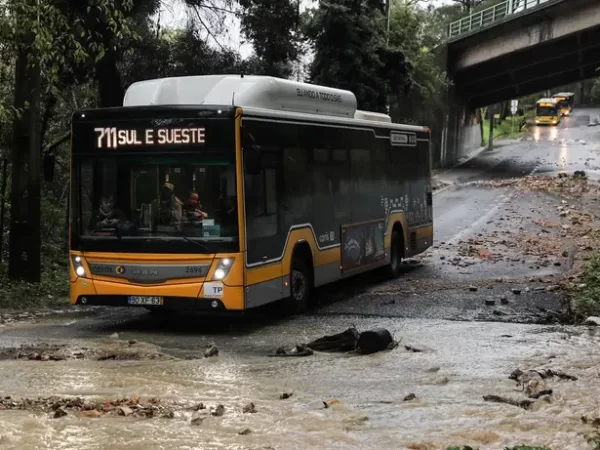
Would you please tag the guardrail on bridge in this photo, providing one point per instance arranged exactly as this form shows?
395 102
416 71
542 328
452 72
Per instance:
488 16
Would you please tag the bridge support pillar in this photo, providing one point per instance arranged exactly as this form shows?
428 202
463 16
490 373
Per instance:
461 134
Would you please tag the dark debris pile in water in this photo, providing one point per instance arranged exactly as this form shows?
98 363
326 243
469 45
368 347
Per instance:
351 340
116 351
61 407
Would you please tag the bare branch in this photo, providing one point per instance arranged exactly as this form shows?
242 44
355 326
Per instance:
210 33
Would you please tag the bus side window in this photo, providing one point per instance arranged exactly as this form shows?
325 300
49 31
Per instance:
261 197
297 197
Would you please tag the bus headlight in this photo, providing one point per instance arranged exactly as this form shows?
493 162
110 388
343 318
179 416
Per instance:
223 268
78 266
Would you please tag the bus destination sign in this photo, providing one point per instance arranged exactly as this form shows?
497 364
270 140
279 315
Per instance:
114 137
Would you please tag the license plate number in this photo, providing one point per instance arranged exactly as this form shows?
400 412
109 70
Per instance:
150 301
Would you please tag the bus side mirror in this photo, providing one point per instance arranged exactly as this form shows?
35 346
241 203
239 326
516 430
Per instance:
49 161
253 161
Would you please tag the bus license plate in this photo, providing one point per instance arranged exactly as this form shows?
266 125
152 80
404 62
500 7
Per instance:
146 301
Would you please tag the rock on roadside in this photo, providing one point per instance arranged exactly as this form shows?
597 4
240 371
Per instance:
593 321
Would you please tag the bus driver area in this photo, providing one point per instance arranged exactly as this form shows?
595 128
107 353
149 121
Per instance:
225 193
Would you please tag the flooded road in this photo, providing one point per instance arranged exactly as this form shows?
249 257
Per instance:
459 364
474 315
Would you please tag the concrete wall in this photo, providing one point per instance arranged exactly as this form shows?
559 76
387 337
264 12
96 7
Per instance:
469 140
460 136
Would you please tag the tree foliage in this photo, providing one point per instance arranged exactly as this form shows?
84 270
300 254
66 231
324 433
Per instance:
63 35
351 52
416 32
273 28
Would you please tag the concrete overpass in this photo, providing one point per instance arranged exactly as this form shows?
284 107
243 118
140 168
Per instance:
519 47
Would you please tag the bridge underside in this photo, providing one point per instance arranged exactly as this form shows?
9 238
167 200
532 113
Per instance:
553 62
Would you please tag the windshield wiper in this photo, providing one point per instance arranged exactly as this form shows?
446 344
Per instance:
188 239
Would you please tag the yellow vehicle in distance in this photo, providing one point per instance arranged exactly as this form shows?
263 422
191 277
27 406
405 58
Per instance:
565 102
547 112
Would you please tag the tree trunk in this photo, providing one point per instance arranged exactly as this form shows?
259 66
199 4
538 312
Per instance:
3 206
24 247
50 104
110 87
505 110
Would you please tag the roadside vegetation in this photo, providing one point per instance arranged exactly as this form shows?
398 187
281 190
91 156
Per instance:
593 440
518 447
509 128
587 301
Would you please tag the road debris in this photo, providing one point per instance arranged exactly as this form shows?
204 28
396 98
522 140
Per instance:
245 432
342 342
525 404
60 412
410 397
212 350
351 340
219 411
412 348
298 350
286 395
60 407
250 408
517 374
197 421
592 321
373 341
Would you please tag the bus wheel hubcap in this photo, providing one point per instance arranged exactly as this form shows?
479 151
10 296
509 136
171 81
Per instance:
298 285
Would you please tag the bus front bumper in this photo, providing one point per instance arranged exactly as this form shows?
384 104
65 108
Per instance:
187 296
172 303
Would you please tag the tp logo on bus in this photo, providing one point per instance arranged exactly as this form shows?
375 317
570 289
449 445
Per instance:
213 290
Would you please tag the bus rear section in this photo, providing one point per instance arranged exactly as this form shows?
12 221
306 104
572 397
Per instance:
154 218
565 102
547 112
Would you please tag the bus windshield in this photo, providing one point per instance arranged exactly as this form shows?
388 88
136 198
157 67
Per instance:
546 111
155 203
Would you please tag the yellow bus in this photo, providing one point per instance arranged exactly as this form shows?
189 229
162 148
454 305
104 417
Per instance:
547 112
223 193
565 102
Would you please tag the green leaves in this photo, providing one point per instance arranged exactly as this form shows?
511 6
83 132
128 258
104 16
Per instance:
61 33
351 52
273 27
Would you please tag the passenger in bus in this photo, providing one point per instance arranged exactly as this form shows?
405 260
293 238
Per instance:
193 209
107 216
170 209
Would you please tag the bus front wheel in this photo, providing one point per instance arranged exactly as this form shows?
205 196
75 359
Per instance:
396 252
300 287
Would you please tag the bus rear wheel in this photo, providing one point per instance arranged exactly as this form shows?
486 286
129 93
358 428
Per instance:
396 252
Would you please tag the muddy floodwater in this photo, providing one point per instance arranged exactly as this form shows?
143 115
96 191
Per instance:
458 363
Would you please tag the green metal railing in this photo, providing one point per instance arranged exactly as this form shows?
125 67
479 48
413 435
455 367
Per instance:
488 16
